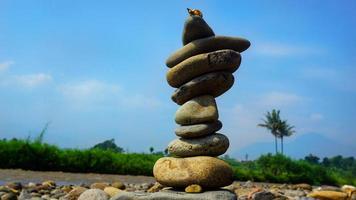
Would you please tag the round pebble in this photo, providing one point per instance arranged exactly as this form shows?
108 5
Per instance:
211 145
197 110
198 130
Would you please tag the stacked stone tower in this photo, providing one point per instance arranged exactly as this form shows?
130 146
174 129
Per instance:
201 71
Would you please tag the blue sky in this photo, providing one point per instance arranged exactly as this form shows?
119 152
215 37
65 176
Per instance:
96 70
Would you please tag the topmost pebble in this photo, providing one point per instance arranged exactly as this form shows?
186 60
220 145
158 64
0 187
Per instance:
195 27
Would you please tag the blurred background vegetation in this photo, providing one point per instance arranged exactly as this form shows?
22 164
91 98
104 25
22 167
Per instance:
107 157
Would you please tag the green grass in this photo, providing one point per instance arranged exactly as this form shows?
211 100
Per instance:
282 169
35 155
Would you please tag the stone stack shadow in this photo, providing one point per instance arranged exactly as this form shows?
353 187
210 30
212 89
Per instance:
201 71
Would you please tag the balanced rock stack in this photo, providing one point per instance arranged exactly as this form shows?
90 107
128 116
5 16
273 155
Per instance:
201 71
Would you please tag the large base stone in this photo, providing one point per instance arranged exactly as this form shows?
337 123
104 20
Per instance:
176 195
208 172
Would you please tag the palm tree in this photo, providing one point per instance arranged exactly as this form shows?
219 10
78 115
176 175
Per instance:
272 122
285 130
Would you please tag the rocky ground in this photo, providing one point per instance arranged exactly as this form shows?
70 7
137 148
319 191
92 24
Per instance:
96 187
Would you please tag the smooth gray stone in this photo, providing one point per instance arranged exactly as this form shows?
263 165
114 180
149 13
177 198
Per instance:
197 130
263 195
93 194
206 45
211 145
24 195
214 84
176 195
201 109
195 28
294 193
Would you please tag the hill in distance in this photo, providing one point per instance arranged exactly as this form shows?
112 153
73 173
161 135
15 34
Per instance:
302 145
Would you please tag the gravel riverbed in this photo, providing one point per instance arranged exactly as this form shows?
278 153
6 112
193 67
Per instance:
31 185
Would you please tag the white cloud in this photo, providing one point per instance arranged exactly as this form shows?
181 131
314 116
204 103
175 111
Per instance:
319 73
139 100
280 99
240 124
32 80
94 93
316 116
88 89
240 121
279 49
341 78
5 65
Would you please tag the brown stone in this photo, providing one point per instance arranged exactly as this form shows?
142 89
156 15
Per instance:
206 45
211 145
66 188
197 110
75 193
348 189
302 186
155 188
193 189
214 84
328 195
112 191
14 185
353 196
195 66
100 186
208 172
49 183
198 130
119 185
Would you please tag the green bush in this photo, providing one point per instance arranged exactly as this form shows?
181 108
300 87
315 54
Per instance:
35 155
281 169
38 156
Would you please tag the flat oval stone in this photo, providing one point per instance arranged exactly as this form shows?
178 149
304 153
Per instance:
197 130
214 84
197 110
206 45
331 195
208 172
228 60
176 195
195 28
211 145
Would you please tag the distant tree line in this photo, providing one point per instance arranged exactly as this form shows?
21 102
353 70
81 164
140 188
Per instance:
337 162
